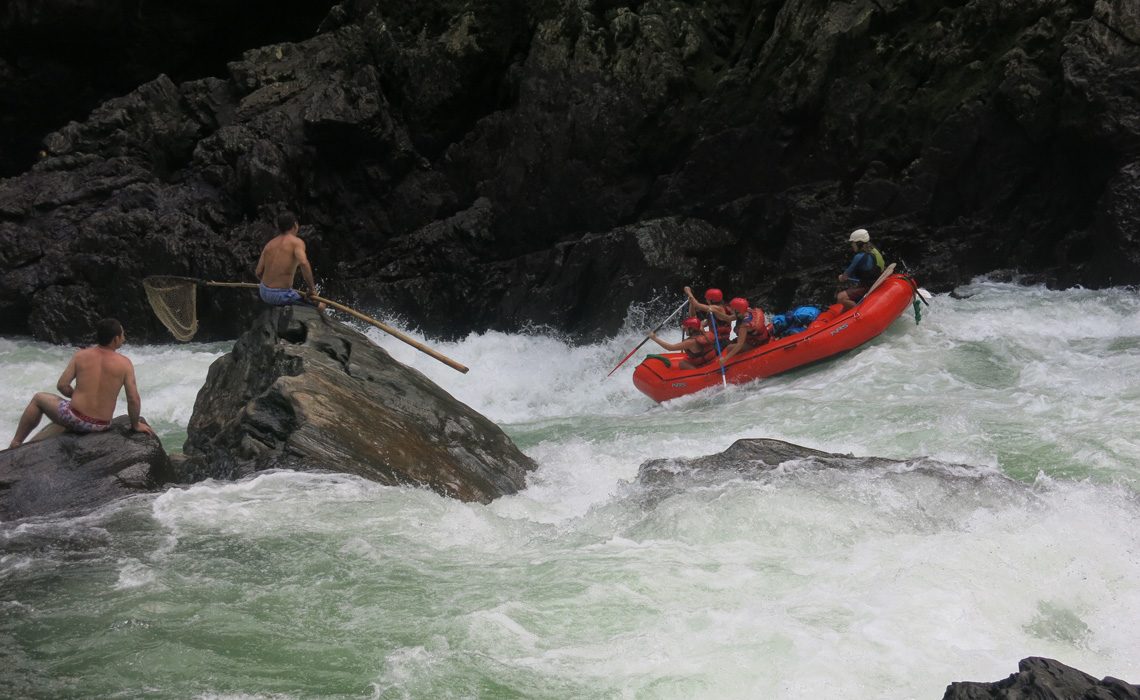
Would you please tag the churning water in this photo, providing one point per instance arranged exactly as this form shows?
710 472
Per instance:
1012 528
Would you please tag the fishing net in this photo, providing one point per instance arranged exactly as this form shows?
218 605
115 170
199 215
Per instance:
174 302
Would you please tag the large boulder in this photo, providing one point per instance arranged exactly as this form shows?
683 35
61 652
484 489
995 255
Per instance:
70 472
1044 679
300 391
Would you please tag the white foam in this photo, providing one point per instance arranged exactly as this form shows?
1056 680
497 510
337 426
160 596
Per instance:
1019 535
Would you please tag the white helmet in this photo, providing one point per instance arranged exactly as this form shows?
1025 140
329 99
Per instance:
859 235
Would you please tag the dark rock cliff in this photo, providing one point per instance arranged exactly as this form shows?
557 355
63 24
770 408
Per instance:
476 164
61 58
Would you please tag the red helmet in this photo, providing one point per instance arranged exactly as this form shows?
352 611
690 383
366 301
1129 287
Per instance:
691 323
739 305
714 295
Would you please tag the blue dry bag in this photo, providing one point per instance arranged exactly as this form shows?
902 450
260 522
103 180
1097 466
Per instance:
804 315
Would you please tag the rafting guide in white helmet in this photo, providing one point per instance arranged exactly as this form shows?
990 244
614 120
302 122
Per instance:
864 269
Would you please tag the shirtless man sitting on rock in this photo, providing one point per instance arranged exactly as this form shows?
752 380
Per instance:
98 373
278 265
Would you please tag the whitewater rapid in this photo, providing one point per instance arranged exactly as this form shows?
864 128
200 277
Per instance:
1011 528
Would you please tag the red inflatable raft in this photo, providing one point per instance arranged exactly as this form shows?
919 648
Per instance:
835 331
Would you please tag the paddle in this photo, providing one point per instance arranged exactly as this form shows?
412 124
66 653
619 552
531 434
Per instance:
659 327
882 278
716 341
158 286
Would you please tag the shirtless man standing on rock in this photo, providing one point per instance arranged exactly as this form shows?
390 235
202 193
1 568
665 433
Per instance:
278 265
98 372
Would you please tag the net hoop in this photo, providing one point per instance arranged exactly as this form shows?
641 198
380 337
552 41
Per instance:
174 302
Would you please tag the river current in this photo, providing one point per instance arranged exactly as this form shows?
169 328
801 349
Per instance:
1010 529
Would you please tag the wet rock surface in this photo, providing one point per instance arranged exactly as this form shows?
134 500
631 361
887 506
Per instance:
78 473
745 456
1045 679
476 165
300 391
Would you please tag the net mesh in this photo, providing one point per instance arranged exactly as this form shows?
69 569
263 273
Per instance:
174 300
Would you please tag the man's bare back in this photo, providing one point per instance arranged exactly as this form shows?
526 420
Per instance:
280 259
98 374
278 265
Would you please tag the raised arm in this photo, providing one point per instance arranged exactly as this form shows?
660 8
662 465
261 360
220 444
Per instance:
694 304
671 347
67 379
134 401
705 308
721 315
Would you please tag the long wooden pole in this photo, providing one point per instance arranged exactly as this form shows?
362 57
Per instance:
367 319
395 334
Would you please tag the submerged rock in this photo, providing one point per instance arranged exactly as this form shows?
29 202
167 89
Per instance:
70 472
747 455
300 391
1044 679
764 459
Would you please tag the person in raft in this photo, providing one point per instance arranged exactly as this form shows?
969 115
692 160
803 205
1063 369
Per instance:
697 345
277 266
98 373
714 305
864 269
751 328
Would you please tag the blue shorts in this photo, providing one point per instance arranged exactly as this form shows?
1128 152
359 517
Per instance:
280 297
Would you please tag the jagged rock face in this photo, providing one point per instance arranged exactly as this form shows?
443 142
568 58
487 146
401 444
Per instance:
71 472
480 165
61 58
300 391
1044 679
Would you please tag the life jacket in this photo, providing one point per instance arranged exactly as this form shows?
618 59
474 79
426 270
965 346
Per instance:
757 328
723 330
705 352
871 268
